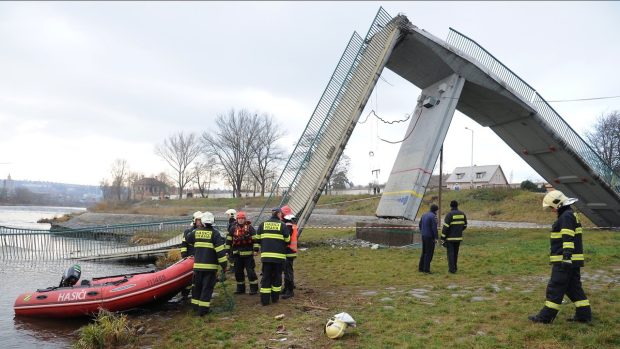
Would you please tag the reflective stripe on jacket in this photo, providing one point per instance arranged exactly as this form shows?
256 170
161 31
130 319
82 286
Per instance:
566 238
209 247
273 236
454 225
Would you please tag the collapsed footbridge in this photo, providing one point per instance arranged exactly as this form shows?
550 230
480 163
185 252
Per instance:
454 74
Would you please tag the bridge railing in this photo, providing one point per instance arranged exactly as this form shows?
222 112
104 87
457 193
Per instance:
546 112
29 244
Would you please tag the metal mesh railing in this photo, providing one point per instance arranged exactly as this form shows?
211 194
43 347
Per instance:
29 244
519 87
300 157
323 114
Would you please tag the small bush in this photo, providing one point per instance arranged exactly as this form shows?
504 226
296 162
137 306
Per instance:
170 258
491 194
108 330
495 212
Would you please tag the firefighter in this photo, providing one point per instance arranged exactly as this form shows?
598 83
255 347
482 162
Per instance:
231 214
291 253
187 250
209 255
240 244
272 236
566 258
452 234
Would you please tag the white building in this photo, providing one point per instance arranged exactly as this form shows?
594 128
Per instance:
489 176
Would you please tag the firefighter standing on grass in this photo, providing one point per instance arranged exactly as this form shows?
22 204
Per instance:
187 250
209 256
291 253
231 214
273 236
452 234
566 259
241 245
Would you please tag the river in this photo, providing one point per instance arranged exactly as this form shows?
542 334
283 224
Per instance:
17 277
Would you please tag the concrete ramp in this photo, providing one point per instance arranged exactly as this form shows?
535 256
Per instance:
419 151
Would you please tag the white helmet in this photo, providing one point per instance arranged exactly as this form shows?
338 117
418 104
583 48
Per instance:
335 328
196 215
207 218
231 213
557 199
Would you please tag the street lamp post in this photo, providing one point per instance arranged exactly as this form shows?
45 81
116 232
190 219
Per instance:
472 158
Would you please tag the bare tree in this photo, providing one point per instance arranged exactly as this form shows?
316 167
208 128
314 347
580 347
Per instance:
203 173
132 178
119 174
605 138
340 176
265 152
179 151
232 143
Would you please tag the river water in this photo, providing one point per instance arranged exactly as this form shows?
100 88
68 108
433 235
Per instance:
17 277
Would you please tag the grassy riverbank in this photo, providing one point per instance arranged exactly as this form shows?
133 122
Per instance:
513 205
502 278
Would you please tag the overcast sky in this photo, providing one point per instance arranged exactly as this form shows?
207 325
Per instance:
84 83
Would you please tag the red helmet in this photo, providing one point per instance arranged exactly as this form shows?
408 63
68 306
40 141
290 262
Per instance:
241 215
286 210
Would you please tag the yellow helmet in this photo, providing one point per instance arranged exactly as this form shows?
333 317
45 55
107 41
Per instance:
334 329
557 199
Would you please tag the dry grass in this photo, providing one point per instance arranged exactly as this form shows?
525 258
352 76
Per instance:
170 258
397 307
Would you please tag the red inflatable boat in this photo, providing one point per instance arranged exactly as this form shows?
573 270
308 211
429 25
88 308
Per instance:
113 293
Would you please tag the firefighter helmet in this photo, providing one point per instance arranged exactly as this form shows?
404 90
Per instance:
207 218
557 199
241 215
231 213
335 328
196 215
286 210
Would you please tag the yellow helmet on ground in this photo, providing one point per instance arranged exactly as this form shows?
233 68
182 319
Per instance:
334 329
557 199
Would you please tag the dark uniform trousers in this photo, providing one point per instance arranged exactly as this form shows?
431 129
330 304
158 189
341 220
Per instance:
289 275
202 290
247 264
271 283
453 255
428 250
565 282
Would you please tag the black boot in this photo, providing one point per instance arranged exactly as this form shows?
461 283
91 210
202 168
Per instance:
240 289
539 319
275 297
288 291
265 298
253 289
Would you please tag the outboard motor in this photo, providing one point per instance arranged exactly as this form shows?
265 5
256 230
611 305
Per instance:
71 276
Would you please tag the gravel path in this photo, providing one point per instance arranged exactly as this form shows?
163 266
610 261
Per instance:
320 218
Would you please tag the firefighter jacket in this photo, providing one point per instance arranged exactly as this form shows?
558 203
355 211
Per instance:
566 238
273 236
241 239
187 249
291 248
208 249
454 225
